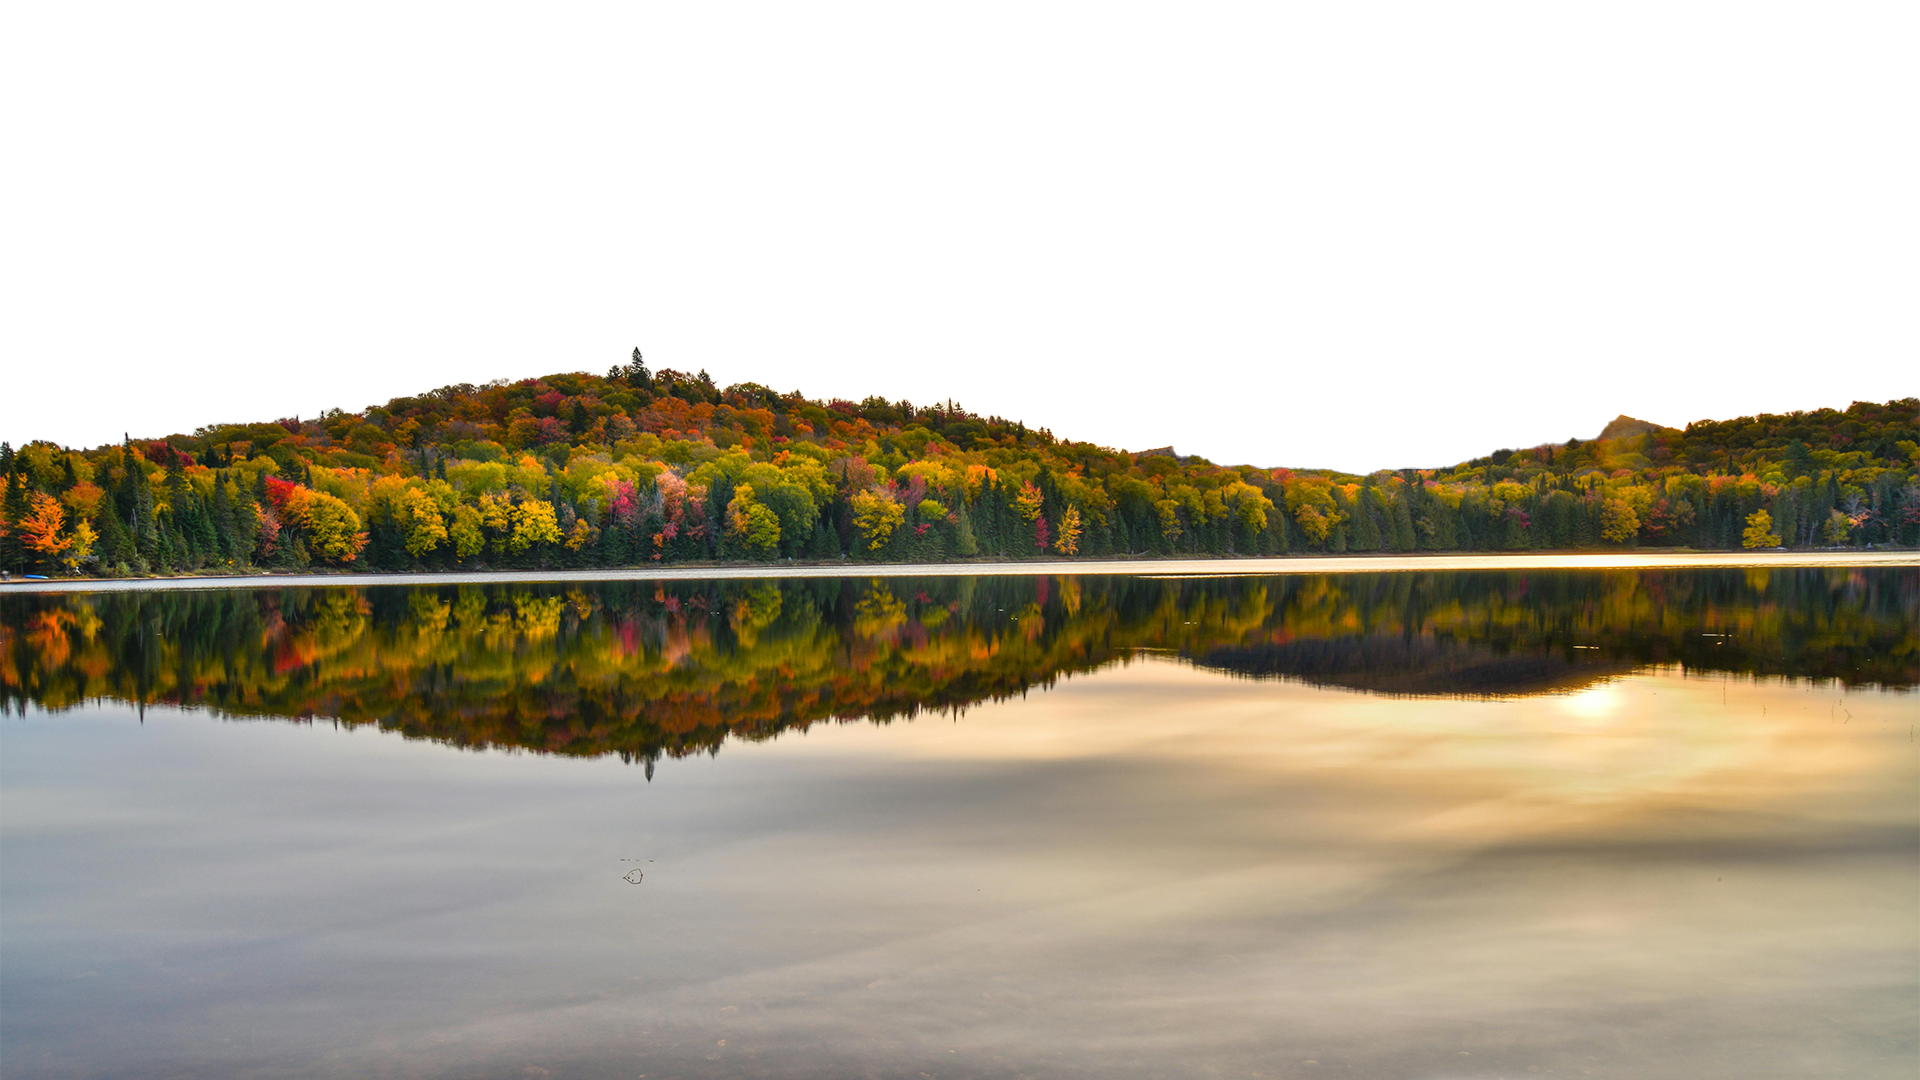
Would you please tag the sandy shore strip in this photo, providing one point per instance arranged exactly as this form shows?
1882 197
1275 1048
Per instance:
1160 568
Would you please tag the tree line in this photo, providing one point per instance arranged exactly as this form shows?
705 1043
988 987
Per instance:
642 467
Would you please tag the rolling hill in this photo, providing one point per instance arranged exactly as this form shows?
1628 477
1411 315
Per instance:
1421 433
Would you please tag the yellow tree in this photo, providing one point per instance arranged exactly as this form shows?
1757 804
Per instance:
1314 523
534 523
1028 502
1169 513
496 516
1759 532
468 540
419 516
333 529
80 545
876 515
752 525
1313 508
1249 505
1618 522
1069 541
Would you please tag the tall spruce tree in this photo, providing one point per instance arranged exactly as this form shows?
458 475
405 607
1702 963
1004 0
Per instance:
223 520
13 510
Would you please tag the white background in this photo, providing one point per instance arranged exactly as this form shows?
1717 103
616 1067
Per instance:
1353 235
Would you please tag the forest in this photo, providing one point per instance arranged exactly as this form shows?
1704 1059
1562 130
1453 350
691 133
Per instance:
642 467
646 669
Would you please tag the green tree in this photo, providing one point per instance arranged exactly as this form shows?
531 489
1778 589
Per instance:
1837 529
752 526
13 512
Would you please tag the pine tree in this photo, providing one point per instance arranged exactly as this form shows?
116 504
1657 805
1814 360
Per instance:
225 542
13 510
1402 525
116 545
1366 531
166 554
135 501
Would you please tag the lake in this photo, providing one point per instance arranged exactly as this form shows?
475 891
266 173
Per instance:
1611 823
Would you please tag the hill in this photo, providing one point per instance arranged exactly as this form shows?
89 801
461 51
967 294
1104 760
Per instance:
1421 433
639 467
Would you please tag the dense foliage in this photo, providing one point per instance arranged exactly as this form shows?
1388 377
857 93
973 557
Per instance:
1416 433
643 467
644 669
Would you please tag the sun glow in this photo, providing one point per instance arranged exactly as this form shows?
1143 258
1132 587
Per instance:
1595 705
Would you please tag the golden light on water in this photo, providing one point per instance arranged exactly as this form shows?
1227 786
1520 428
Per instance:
1452 770
1595 706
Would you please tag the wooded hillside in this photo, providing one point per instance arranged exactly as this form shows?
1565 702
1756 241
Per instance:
639 467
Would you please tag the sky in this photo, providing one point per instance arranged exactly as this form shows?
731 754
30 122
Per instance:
89 394
1356 235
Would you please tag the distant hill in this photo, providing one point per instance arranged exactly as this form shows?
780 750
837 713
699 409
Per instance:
1423 433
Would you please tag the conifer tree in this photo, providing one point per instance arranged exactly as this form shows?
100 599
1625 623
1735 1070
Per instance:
223 521
13 510
116 545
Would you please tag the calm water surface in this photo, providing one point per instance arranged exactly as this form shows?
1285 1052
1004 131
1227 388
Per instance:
1611 824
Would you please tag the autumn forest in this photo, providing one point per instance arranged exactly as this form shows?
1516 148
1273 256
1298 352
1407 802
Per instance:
642 467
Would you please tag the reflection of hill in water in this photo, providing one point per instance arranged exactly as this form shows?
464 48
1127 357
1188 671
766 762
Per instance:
1421 666
645 669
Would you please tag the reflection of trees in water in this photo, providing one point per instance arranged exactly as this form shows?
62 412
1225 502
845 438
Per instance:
1417 665
644 668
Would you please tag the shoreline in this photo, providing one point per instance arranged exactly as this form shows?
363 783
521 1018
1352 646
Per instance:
1250 567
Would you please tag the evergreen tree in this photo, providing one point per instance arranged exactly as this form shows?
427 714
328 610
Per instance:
1402 525
166 552
224 540
116 544
137 508
13 510
822 544
386 548
1365 534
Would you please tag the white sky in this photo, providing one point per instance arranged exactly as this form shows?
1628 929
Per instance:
87 394
1592 202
